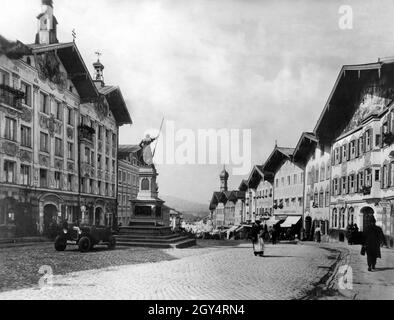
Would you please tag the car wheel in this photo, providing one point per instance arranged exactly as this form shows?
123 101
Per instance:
112 242
60 243
84 244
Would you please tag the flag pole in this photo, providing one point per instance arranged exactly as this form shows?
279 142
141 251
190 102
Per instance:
157 140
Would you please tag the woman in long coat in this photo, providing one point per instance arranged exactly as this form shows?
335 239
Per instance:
373 238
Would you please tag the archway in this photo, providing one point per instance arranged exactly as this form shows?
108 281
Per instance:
367 213
98 216
50 218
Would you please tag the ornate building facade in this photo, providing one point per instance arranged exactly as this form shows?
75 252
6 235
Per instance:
287 177
358 123
315 157
58 139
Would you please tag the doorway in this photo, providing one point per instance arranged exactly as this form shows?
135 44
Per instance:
98 216
50 219
367 213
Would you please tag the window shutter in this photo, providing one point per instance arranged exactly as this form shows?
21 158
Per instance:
357 182
347 184
365 141
389 175
381 178
339 185
348 151
356 151
361 145
381 137
391 119
340 155
333 157
389 122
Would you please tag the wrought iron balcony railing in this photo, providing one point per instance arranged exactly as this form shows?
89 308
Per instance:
86 132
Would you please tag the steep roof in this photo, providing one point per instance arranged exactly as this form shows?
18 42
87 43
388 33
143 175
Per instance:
342 101
72 61
305 145
215 200
116 104
243 185
276 158
255 176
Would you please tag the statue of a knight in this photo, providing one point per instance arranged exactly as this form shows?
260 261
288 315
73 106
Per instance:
145 155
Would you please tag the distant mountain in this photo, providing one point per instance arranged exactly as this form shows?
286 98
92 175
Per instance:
189 209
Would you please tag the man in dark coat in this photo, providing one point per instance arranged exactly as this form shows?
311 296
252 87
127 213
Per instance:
373 238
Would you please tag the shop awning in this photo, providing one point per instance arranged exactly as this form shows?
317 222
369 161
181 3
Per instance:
233 228
271 222
290 220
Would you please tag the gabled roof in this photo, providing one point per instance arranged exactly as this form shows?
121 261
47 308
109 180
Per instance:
116 104
342 101
239 194
275 160
72 61
306 144
255 176
243 185
228 196
215 200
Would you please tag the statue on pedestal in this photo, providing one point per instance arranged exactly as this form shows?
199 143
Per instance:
145 155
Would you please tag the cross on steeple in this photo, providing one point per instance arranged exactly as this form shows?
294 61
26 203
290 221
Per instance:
98 54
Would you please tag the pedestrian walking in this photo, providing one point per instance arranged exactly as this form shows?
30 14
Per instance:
318 234
274 235
258 246
373 238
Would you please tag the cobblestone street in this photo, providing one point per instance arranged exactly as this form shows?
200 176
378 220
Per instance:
375 285
211 270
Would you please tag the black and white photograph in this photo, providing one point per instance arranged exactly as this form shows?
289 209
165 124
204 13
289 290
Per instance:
196 150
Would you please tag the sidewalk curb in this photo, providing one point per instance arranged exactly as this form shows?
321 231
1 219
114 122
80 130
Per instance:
326 287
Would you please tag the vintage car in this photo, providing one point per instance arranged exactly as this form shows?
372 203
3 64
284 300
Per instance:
84 236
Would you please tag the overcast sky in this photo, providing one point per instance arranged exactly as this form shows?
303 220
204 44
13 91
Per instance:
267 66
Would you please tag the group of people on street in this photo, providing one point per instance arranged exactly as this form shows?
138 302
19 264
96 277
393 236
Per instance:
353 234
371 239
260 234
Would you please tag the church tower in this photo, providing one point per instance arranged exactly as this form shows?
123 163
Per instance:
47 24
99 72
223 179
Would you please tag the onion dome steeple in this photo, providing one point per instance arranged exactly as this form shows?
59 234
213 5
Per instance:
223 179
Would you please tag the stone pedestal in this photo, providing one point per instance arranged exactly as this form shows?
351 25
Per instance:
148 207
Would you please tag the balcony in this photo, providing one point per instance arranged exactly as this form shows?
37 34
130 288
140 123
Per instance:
86 133
11 96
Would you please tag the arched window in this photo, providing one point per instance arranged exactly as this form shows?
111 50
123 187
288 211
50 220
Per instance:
315 199
342 218
322 172
334 218
327 200
145 184
321 198
350 216
328 172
